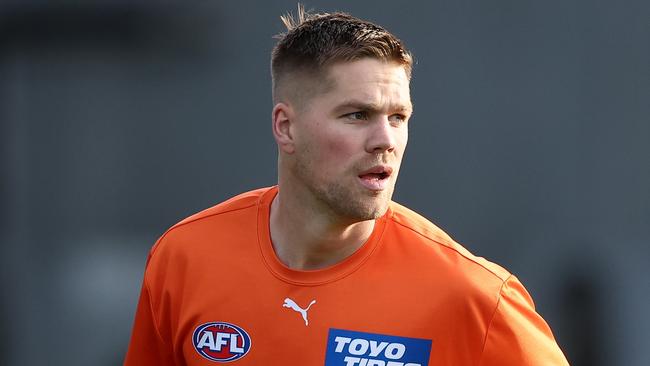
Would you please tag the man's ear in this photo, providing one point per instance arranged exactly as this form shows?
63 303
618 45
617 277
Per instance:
283 120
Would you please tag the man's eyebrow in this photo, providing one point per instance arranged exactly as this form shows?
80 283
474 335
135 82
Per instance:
365 106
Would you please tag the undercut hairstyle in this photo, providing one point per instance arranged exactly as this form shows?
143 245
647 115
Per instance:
313 42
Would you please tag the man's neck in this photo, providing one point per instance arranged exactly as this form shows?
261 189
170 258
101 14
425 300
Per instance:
307 239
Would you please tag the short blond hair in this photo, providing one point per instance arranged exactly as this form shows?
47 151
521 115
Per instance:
315 41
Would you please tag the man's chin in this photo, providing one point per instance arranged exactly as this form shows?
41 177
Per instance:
356 206
369 212
378 205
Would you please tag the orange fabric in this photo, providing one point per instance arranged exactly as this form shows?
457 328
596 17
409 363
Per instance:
408 280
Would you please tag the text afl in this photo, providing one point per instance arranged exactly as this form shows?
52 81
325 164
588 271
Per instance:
221 342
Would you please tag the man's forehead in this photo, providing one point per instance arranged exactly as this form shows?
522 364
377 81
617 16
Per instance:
370 86
358 73
350 82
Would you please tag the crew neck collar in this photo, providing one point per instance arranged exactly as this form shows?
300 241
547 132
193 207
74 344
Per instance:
311 277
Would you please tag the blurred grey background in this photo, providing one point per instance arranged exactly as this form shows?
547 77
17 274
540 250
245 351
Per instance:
530 144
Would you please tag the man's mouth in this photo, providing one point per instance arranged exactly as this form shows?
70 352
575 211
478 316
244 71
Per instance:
376 178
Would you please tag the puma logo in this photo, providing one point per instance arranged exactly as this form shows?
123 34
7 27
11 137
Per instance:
288 303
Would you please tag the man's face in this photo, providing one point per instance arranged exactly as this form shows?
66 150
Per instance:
349 140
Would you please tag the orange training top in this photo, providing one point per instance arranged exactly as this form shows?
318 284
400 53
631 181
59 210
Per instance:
214 291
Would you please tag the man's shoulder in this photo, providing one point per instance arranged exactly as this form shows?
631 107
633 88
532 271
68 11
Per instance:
227 215
239 202
436 242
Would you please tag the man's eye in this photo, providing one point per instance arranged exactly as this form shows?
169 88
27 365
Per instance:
357 115
397 118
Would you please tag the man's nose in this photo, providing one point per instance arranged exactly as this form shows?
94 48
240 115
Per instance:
381 137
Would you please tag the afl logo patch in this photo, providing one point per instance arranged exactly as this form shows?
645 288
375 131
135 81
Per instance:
221 342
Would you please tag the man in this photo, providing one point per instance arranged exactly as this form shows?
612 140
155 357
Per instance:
323 269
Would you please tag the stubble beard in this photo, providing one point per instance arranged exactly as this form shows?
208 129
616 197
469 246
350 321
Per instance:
345 201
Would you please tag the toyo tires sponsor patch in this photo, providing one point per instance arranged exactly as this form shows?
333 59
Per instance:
350 348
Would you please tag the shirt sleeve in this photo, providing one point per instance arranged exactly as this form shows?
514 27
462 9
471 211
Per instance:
517 335
147 346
